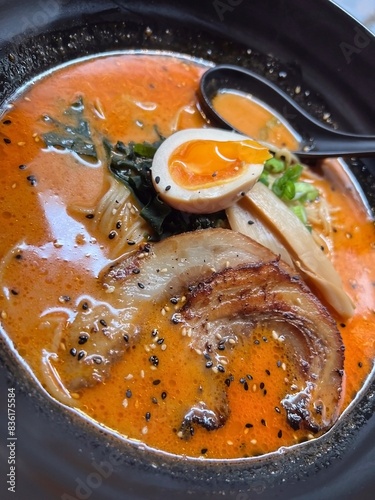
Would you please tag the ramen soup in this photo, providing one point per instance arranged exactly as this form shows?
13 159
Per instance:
177 329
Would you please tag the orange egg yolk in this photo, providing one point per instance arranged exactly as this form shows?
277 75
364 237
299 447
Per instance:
207 163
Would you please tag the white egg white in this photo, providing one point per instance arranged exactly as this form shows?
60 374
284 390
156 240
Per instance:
200 200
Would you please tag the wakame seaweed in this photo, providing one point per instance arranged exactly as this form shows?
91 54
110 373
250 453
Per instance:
73 134
131 164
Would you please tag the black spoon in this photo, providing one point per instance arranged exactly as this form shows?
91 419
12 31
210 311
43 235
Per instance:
318 141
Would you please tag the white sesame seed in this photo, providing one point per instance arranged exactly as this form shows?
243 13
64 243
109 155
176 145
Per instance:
164 347
129 377
198 351
4 315
230 443
142 374
283 366
147 349
184 331
218 336
275 335
281 338
254 388
125 403
163 312
231 341
180 434
145 430
215 370
253 441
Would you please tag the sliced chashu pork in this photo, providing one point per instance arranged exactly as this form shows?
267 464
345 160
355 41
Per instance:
231 283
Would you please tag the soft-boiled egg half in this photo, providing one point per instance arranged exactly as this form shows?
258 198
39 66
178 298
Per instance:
206 170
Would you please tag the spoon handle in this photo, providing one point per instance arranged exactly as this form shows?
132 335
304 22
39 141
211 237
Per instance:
318 140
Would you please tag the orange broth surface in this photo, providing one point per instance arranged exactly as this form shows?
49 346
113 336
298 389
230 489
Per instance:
51 257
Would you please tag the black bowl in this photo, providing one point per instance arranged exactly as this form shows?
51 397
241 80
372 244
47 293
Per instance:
332 58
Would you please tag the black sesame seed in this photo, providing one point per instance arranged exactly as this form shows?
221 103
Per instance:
256 342
118 224
156 382
163 395
73 351
261 385
98 360
141 285
278 364
136 270
173 300
103 322
268 372
209 365
22 167
7 140
160 341
343 325
85 306
360 364
31 179
147 416
249 377
89 216
131 242
280 433
14 292
246 386
7 122
221 368
157 179
264 339
112 235
126 337
154 332
154 400
242 380
204 451
264 392
81 354
129 393
277 409
154 360
82 339
249 426
263 422
176 318
250 222
168 188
